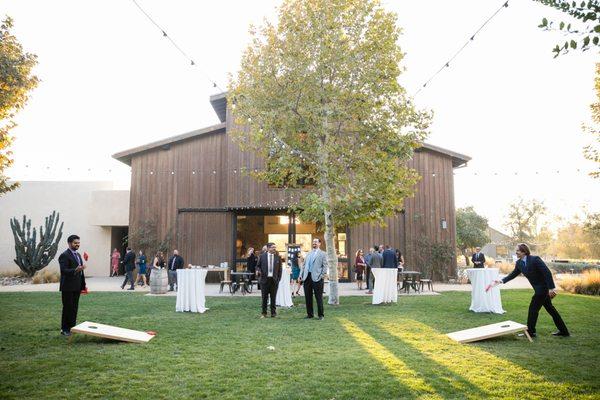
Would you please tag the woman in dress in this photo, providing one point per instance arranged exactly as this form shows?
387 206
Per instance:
359 266
115 258
141 262
158 262
400 260
295 278
251 261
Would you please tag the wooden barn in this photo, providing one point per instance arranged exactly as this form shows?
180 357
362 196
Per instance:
193 184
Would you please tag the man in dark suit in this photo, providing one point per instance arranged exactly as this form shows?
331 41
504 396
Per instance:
390 259
540 277
376 261
72 282
268 271
478 258
129 264
175 263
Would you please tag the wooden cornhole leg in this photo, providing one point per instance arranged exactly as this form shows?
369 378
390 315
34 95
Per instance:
527 334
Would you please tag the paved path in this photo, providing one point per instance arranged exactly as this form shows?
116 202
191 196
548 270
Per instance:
106 284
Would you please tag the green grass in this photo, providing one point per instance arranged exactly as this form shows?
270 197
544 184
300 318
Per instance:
359 351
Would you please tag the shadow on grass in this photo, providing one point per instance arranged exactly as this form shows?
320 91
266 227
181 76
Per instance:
488 372
443 378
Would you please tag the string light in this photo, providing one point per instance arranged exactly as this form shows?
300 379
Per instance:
165 35
471 38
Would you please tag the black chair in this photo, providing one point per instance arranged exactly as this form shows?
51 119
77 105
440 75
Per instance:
427 282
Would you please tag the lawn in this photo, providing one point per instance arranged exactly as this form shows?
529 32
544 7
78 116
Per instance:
359 351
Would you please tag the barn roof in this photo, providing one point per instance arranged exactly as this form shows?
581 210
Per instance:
219 104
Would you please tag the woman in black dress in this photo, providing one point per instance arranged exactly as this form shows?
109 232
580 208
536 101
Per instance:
251 263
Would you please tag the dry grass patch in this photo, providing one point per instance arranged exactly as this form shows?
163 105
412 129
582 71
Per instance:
45 276
587 283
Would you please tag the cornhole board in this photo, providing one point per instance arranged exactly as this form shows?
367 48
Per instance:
489 331
112 332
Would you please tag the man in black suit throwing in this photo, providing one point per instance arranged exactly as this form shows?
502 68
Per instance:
478 258
268 271
129 263
175 263
540 277
72 282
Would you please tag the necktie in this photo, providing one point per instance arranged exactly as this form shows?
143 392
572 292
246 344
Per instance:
173 263
310 263
270 264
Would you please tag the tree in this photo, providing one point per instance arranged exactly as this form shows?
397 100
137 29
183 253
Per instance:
573 242
146 237
16 81
317 96
592 152
582 28
522 220
434 258
471 230
544 242
591 226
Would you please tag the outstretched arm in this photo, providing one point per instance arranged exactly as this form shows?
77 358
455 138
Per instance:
512 275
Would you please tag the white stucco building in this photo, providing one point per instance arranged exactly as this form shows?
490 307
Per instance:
92 210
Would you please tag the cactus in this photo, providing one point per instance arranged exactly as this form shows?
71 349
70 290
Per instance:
32 257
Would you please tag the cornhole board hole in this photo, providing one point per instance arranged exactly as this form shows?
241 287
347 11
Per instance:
112 332
489 331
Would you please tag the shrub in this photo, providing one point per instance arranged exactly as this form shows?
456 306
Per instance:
45 276
12 273
587 283
505 268
579 267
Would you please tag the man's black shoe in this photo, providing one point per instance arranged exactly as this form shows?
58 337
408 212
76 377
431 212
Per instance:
559 333
321 318
131 288
273 315
65 333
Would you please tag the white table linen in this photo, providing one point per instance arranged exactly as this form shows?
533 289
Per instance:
190 290
482 301
385 290
284 290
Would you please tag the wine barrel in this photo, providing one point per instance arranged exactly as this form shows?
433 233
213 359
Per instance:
159 281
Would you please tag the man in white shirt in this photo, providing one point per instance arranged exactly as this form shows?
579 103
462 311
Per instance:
268 271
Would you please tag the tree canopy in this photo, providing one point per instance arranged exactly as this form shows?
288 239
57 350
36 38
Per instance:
581 29
16 81
471 230
318 97
522 219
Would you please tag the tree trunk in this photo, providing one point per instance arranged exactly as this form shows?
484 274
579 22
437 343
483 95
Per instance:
331 254
464 253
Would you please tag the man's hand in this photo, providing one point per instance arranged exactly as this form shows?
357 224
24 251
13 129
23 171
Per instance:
552 293
79 268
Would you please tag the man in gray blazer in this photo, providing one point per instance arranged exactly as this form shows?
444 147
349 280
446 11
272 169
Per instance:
376 261
312 274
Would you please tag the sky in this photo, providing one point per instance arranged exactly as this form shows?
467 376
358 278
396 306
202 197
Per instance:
110 82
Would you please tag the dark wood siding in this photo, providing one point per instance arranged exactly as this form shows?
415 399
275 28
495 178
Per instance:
206 237
243 190
432 202
180 176
204 172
